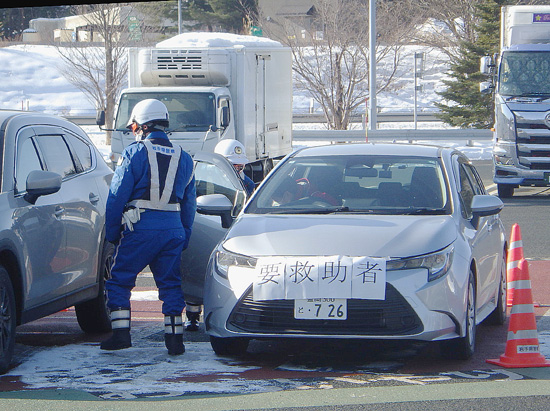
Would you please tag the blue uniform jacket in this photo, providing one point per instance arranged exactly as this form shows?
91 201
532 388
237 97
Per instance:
131 181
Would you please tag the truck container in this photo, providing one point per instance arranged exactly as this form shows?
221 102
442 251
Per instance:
215 86
520 80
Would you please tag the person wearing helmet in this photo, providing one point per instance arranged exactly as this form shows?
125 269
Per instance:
150 212
233 150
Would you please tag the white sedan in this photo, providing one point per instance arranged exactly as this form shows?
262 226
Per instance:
372 241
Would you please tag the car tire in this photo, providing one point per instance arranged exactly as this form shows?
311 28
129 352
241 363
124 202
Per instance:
229 346
8 318
462 348
505 190
498 316
93 316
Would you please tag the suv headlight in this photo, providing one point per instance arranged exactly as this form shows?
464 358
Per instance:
225 259
437 263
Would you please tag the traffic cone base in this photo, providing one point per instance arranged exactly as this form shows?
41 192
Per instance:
522 345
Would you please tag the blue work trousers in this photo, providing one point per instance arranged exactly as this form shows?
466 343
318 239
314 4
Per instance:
161 250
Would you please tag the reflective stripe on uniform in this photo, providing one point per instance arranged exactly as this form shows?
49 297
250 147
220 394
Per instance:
158 201
173 324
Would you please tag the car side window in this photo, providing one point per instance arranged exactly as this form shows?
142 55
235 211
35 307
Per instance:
27 160
467 190
56 154
82 151
210 179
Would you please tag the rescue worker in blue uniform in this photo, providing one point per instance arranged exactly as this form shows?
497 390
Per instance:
233 150
150 212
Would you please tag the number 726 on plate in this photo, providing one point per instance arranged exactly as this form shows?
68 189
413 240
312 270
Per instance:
321 309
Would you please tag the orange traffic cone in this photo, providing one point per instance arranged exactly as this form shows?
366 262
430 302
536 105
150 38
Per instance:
515 254
522 345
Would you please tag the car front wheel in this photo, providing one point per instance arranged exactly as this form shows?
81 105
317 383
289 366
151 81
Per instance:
7 320
229 346
498 316
93 316
463 348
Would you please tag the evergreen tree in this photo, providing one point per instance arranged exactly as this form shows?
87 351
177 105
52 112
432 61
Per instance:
467 106
226 15
14 20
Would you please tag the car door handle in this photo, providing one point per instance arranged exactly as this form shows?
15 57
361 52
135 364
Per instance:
94 198
59 211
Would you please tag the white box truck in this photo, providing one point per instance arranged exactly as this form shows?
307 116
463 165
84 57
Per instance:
215 86
520 79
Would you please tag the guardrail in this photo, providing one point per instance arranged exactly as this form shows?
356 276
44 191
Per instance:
383 117
394 134
363 135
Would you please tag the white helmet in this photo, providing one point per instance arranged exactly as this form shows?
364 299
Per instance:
232 150
149 110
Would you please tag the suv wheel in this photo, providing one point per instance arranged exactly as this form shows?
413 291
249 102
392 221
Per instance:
7 320
93 316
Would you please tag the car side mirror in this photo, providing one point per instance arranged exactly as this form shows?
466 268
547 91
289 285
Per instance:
216 204
484 206
40 183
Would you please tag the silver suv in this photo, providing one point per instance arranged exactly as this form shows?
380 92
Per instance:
53 254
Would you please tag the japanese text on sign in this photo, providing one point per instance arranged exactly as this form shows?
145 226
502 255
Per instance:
294 278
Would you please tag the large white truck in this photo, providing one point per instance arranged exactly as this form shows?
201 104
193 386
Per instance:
520 79
215 86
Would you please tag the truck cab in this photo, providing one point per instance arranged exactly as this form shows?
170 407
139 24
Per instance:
519 79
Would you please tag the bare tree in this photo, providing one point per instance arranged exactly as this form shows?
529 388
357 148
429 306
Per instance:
96 62
331 56
446 24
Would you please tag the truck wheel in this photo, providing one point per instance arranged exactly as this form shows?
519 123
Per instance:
505 190
93 316
7 320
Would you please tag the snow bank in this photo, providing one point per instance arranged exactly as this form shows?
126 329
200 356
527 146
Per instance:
207 39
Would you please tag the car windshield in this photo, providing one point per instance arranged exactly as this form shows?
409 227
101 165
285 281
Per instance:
187 111
393 185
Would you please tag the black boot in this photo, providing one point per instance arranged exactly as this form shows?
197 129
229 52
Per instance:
173 334
192 323
120 321
193 313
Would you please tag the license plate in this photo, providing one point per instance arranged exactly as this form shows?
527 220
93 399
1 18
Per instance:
321 309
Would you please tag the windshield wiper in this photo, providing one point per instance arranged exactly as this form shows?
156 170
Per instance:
186 126
425 211
328 210
538 95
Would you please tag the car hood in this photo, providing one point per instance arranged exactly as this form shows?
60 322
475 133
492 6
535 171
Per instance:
352 235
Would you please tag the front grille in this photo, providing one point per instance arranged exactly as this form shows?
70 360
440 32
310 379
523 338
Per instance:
533 140
392 316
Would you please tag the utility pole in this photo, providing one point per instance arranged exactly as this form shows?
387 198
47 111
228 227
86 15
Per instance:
372 65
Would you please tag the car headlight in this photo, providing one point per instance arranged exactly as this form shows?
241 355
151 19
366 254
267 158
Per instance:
225 259
437 263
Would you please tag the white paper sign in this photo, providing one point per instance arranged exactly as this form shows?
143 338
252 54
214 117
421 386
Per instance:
296 278
269 281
